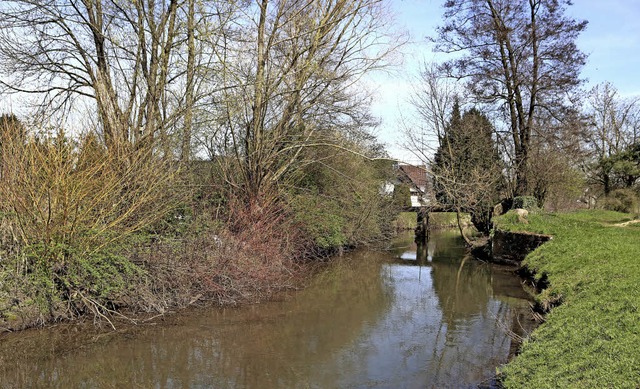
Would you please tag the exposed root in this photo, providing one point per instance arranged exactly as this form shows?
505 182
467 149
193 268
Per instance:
100 311
537 316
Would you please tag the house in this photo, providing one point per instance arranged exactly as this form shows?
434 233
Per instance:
414 177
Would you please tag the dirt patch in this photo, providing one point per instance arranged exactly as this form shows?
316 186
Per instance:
626 223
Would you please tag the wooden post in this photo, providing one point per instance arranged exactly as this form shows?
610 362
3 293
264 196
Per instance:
422 224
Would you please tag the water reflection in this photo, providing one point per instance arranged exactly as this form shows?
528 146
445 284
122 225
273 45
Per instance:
368 321
477 304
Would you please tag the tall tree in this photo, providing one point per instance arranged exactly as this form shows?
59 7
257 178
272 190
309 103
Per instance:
292 84
556 153
185 149
12 132
467 167
518 55
120 54
445 160
432 98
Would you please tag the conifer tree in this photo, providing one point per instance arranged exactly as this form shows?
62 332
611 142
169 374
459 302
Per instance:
467 166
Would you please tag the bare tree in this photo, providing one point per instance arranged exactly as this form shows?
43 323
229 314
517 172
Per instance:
614 124
557 153
432 99
185 150
520 56
121 54
458 149
289 81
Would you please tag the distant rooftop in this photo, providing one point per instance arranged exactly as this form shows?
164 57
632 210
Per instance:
416 174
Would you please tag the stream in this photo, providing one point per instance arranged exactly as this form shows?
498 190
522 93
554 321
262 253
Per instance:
372 319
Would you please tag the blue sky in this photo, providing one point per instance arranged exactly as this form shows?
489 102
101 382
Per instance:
612 41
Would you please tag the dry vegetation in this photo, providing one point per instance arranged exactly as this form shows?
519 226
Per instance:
85 232
124 217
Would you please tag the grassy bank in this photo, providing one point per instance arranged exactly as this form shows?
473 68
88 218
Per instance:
408 220
591 338
405 221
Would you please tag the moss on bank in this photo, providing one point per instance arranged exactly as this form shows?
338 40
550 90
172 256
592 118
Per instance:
593 270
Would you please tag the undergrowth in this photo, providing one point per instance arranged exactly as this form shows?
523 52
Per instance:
88 232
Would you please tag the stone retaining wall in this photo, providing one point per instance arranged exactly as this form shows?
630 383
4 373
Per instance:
511 247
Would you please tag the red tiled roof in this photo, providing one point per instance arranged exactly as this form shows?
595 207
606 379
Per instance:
416 174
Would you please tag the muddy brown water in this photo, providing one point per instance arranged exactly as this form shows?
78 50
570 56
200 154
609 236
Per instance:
373 319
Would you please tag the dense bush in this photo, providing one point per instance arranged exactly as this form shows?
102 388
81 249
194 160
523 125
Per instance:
339 202
69 210
621 200
84 230
322 220
529 203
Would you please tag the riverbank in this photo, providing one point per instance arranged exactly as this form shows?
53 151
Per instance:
366 319
590 337
441 220
168 276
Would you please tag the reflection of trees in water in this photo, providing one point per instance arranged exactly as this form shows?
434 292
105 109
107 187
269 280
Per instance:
463 288
441 323
441 242
480 304
425 340
267 345
475 343
320 321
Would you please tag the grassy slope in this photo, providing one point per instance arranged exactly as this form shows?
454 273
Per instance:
407 220
593 338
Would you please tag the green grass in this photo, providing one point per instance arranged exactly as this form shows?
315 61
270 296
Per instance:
406 221
592 340
448 219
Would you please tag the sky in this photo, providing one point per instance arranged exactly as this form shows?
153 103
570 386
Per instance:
611 41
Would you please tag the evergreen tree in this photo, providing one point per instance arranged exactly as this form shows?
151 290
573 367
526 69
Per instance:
467 166
444 158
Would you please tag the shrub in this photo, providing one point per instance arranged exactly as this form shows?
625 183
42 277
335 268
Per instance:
69 209
321 220
339 202
621 200
525 202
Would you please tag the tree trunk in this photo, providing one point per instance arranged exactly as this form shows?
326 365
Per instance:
185 151
466 239
522 182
